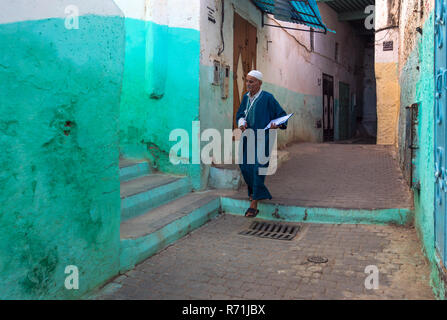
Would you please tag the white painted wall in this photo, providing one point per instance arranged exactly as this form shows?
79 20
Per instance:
173 13
25 10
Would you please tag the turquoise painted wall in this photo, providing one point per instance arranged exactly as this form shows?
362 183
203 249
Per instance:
160 92
418 86
59 111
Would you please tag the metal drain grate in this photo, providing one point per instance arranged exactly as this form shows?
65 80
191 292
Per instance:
317 259
272 230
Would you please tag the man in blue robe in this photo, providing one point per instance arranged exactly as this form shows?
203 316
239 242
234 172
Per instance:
257 109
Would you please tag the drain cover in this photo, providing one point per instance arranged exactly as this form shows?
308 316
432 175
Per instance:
272 230
317 259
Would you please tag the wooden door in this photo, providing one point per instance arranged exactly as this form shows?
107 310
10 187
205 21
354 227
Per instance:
244 58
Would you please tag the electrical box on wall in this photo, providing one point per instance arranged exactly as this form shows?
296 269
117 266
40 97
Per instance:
225 81
216 73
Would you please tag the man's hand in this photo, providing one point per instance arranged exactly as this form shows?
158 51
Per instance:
274 126
243 127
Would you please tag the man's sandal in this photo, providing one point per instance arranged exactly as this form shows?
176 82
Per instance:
251 213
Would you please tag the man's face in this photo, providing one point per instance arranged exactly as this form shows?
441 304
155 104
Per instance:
253 84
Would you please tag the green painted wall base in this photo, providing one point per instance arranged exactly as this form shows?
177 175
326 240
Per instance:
134 251
142 202
320 215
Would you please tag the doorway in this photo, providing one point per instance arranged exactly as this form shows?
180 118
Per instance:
244 58
328 108
343 111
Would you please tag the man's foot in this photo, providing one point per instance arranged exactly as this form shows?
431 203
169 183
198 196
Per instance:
251 213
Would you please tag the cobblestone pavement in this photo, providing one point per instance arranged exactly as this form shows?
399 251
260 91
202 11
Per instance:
215 262
339 176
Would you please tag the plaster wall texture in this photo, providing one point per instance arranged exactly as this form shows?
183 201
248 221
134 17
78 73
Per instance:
386 14
59 112
173 13
292 72
418 86
413 14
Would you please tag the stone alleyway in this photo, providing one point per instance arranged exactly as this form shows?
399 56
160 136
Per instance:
354 176
216 262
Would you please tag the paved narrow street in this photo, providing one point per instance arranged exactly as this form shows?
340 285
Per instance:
354 176
216 262
120 166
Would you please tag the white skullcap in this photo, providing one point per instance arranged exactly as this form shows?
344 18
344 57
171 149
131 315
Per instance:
255 73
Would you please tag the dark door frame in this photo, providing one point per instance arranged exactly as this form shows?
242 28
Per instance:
244 44
328 121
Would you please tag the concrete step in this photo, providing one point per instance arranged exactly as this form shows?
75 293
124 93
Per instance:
150 191
130 169
228 176
225 177
145 235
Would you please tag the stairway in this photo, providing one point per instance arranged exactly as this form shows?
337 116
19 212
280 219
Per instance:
157 209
